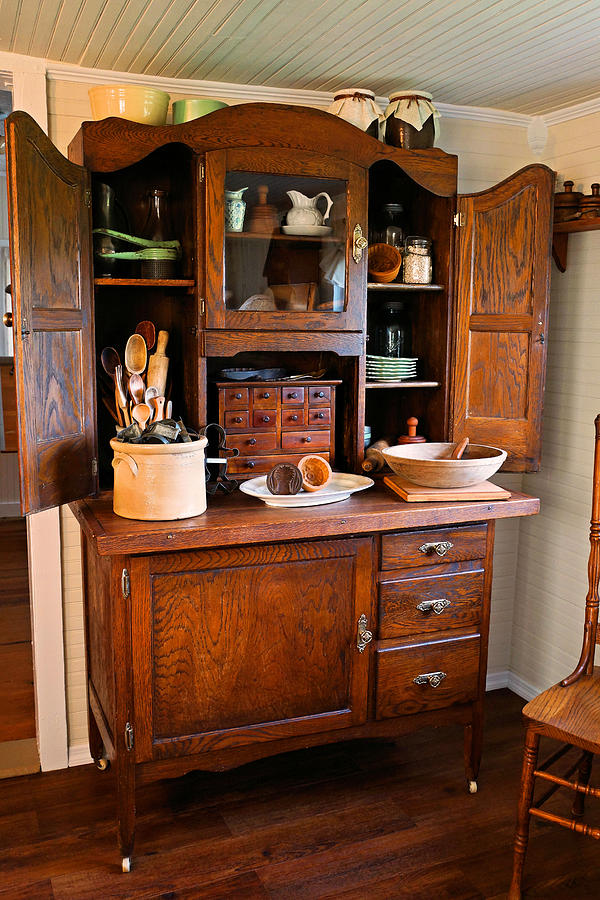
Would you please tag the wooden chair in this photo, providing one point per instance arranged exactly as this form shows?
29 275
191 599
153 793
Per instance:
569 712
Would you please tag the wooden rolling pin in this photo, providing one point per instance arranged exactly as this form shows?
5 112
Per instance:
374 459
159 365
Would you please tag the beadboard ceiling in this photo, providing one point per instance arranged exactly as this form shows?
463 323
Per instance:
526 56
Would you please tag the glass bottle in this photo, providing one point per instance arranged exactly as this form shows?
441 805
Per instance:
394 225
158 228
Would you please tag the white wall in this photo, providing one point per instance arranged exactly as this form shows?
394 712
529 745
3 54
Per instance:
554 546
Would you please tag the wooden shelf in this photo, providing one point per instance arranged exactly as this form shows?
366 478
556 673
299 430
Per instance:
402 384
400 286
560 237
275 236
146 282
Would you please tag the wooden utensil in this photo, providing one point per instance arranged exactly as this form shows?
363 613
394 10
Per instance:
148 332
121 395
110 359
136 388
412 437
141 412
460 448
157 405
158 365
169 409
136 355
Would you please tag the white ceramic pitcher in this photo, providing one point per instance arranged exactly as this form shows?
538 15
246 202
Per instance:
304 210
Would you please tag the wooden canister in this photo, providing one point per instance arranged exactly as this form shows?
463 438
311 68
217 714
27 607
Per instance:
157 482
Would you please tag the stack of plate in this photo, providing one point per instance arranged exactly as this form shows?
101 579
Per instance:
385 368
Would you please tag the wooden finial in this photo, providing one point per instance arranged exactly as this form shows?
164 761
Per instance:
412 437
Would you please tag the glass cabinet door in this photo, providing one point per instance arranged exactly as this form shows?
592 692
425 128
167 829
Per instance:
285 245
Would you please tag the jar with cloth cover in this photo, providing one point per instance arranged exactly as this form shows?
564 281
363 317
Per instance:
411 120
358 107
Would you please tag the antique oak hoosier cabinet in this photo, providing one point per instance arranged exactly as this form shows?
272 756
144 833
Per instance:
251 630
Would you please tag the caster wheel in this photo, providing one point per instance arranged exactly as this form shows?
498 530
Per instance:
126 864
102 764
472 787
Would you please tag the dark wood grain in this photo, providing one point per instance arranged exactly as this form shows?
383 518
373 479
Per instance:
52 308
398 663
503 270
8 392
404 549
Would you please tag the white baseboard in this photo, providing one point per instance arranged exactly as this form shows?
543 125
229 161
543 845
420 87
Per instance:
9 510
521 688
79 755
496 680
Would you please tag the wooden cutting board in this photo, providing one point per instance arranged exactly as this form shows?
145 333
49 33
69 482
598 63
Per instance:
415 493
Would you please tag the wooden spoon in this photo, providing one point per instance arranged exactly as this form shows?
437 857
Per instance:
459 448
148 332
110 359
158 407
121 395
141 412
136 355
136 388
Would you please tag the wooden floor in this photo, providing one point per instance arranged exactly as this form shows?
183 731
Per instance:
17 712
362 820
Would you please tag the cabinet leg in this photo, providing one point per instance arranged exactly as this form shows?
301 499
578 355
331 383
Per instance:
473 747
126 808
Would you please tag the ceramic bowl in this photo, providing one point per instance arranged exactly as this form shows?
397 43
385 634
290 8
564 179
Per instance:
185 110
430 465
129 101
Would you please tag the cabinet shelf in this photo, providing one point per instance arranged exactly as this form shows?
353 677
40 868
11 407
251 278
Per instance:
146 282
402 384
306 238
400 286
560 237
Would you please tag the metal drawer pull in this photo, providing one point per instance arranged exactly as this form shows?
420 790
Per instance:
433 679
435 606
439 547
363 636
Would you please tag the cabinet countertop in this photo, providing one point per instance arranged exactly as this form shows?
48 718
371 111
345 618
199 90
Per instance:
238 519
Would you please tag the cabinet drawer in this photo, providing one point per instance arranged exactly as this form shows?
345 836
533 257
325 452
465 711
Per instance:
292 395
264 397
237 418
235 398
293 418
458 598
422 548
252 443
319 416
259 465
398 666
307 441
317 395
264 418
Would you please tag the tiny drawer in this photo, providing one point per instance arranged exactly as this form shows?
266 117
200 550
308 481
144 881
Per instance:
237 418
421 605
257 465
264 418
413 677
235 398
307 441
317 395
422 548
319 416
253 443
265 397
293 418
293 395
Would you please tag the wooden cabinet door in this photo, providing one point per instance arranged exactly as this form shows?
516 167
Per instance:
235 646
49 215
274 280
502 292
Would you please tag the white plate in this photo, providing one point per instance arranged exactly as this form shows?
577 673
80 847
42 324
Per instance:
391 359
339 488
307 230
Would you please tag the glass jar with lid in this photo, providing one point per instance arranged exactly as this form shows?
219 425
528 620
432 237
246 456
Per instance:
394 330
416 262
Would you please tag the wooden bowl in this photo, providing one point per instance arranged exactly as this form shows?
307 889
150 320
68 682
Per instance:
430 464
384 263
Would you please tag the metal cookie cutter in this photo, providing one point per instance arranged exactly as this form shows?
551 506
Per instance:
217 457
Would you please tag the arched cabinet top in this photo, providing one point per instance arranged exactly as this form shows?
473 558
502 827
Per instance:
112 144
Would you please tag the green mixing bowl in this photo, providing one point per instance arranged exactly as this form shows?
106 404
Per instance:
184 110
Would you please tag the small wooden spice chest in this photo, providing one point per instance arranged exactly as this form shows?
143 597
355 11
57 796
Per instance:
277 421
